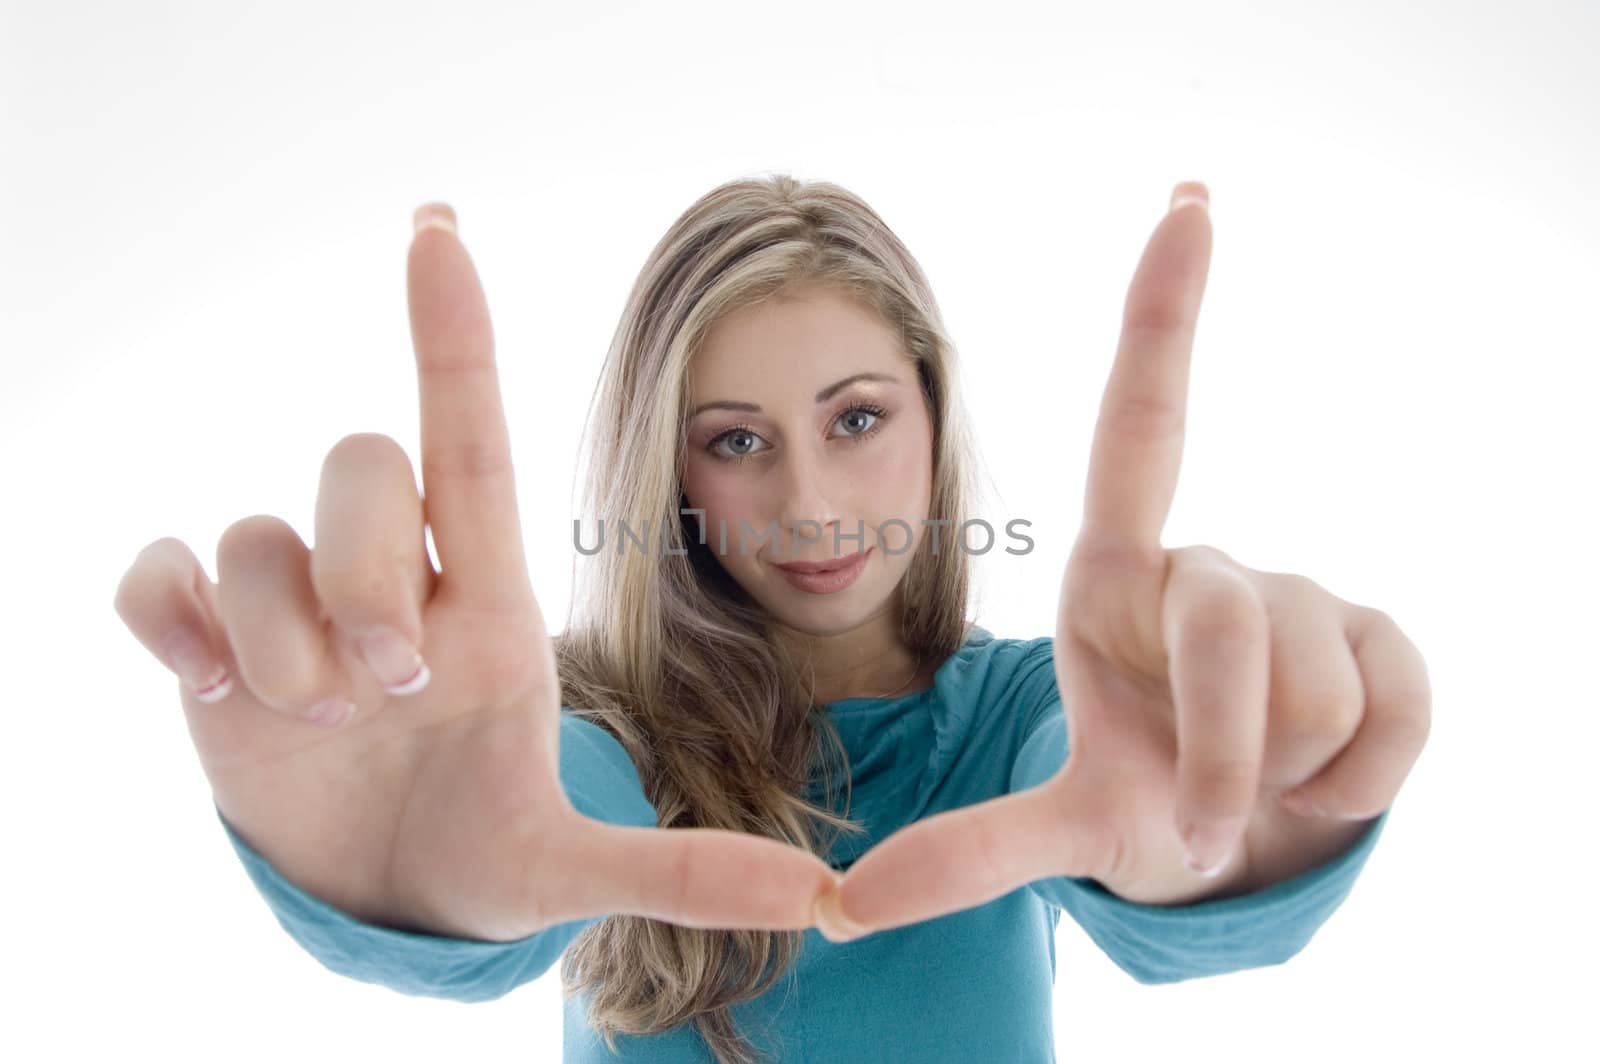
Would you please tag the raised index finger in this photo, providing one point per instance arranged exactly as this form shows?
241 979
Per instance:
468 486
1138 440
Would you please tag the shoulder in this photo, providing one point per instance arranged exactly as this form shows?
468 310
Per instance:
986 665
600 779
994 693
1007 679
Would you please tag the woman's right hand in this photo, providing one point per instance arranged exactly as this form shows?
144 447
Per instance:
438 805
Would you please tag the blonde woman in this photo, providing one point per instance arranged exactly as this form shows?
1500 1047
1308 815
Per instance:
772 791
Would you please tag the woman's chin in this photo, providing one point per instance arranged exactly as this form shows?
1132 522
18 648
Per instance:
816 615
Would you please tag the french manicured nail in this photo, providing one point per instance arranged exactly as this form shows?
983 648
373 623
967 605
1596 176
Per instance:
332 713
439 214
1210 845
205 676
395 663
1190 192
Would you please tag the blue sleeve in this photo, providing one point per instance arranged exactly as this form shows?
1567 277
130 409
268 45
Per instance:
601 782
1168 944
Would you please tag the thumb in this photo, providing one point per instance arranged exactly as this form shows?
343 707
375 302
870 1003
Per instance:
963 858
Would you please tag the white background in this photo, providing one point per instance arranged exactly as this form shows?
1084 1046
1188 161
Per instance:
207 210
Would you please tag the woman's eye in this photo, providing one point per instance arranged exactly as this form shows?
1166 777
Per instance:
740 443
855 416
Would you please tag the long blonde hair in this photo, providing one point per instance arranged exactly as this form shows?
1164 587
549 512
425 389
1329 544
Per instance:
666 652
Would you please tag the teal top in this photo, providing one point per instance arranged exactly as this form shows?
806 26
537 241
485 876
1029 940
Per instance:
970 985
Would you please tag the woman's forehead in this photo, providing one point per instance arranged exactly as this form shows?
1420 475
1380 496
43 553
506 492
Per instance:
797 344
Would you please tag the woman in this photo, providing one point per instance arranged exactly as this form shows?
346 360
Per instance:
780 396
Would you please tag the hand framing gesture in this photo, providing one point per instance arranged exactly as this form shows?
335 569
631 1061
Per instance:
435 800
1200 695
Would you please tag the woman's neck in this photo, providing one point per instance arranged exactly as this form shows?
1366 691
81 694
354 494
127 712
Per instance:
869 661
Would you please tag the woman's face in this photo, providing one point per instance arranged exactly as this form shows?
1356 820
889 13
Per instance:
776 439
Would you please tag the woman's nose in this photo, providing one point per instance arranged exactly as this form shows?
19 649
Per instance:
806 513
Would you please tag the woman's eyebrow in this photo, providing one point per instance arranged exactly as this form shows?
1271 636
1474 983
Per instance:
822 396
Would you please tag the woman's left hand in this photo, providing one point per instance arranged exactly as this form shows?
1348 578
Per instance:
1200 695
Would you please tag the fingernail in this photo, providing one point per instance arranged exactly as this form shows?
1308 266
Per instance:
1210 845
332 713
395 663
832 922
196 667
1190 192
439 214
1298 802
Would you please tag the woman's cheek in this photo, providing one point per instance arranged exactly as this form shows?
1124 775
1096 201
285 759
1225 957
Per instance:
905 477
724 506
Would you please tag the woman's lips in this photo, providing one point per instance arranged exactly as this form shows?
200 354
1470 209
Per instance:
827 581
